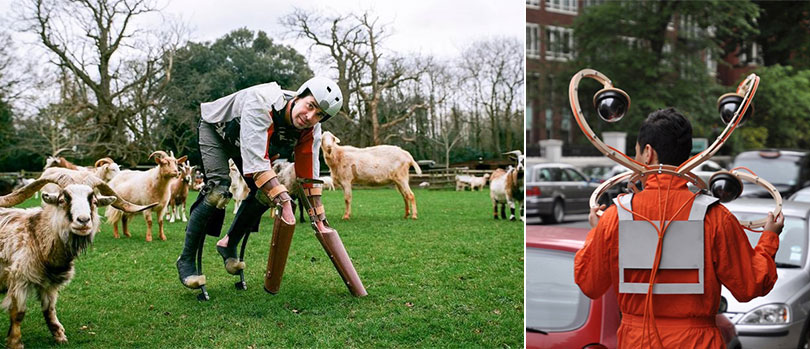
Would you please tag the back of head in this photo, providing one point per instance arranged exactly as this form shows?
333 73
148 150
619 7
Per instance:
669 133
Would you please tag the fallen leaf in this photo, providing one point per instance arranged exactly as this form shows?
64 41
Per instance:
497 312
84 327
409 304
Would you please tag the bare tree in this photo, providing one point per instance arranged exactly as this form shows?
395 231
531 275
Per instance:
493 72
354 45
121 69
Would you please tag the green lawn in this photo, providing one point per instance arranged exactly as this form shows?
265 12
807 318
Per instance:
453 278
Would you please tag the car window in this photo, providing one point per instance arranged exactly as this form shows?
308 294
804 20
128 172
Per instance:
775 171
548 174
792 240
554 302
709 166
574 176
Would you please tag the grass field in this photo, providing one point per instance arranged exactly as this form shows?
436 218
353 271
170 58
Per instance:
453 278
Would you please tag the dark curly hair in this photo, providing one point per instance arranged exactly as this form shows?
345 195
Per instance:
669 133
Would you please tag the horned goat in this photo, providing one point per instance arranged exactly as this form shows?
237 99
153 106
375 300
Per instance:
104 168
179 192
377 165
506 187
38 245
143 187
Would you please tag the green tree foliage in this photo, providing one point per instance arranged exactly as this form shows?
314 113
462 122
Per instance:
783 33
782 103
206 71
656 51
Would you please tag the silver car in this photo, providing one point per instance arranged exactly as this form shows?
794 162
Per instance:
554 190
779 319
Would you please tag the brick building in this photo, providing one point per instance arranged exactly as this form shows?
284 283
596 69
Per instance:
549 47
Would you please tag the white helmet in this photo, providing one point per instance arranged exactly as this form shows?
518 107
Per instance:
326 93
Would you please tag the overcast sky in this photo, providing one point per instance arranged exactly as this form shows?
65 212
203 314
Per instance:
438 28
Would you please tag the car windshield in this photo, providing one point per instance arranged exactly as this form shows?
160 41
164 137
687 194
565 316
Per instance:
776 171
792 241
554 302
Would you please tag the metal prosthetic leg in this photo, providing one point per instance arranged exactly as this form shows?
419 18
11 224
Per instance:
279 249
334 248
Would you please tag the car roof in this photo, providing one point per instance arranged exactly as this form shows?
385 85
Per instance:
792 153
556 238
553 164
789 208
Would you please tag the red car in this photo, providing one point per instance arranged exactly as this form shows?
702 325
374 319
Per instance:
558 314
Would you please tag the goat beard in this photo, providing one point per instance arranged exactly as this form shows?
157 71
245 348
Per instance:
77 244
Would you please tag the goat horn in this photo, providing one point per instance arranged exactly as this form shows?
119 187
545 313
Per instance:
24 193
119 203
160 153
103 161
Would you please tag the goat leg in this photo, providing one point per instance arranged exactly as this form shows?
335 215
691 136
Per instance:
148 215
125 226
48 299
16 316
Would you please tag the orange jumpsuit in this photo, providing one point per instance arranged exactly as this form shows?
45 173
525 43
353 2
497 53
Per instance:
683 320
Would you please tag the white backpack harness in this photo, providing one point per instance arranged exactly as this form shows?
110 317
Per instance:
682 247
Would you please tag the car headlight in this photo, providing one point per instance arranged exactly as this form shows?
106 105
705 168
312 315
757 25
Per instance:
770 314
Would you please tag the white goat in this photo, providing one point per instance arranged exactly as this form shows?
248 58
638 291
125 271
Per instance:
462 181
38 245
239 188
507 187
179 192
286 176
143 187
478 182
378 165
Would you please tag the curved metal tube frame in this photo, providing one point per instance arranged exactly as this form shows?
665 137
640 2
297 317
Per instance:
747 89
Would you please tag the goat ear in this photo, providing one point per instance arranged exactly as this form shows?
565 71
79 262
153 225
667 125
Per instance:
104 200
337 140
182 159
50 198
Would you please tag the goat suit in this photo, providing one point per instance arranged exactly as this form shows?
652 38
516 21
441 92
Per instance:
686 295
249 127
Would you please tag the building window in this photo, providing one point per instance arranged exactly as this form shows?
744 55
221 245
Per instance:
529 116
549 122
589 3
533 4
711 63
562 6
532 40
559 43
751 54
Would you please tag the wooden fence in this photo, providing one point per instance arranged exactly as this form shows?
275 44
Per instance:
441 178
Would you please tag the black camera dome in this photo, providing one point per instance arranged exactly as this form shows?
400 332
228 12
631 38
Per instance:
611 104
728 104
725 186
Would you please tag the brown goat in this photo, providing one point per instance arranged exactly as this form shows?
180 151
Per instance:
39 245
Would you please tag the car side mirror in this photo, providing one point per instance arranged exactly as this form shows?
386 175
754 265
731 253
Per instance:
723 305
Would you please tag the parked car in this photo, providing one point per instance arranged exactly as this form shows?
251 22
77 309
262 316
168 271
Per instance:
558 314
787 170
802 195
780 318
554 190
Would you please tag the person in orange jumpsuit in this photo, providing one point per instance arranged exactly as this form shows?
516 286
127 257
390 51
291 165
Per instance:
681 320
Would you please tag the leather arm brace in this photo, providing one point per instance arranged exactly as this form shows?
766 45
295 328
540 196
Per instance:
267 181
